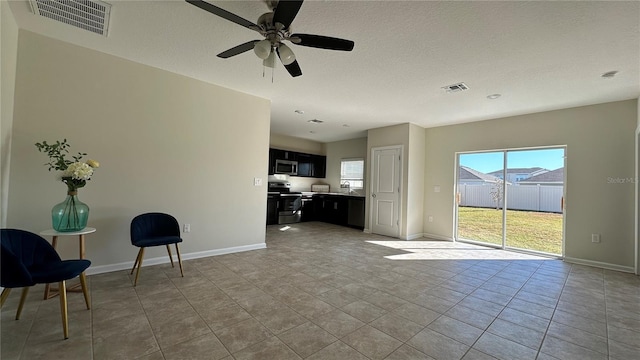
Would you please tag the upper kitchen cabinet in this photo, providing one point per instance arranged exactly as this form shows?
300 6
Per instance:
309 165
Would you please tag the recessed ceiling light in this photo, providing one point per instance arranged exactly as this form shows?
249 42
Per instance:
315 121
299 112
493 96
609 74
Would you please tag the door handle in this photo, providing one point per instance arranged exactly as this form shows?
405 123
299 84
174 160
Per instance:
373 195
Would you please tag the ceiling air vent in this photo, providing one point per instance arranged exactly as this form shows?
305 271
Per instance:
456 87
90 15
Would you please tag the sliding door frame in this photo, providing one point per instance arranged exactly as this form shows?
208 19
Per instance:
504 199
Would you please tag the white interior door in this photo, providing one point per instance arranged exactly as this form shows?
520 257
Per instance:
385 191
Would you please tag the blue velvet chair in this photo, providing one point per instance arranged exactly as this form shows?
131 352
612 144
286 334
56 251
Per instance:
154 229
28 259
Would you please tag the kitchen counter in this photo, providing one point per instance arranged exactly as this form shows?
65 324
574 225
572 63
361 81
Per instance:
309 193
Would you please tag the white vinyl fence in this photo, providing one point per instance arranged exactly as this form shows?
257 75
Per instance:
546 198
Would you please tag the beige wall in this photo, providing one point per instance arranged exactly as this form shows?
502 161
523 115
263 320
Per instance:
165 143
291 143
339 150
8 57
415 181
600 145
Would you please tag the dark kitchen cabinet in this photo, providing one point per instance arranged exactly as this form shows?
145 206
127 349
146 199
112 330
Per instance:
319 165
272 161
308 209
355 216
333 209
310 165
272 209
339 209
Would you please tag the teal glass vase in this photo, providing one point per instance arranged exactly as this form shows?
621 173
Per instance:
71 214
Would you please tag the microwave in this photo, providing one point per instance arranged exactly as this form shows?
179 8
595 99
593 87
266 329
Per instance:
286 167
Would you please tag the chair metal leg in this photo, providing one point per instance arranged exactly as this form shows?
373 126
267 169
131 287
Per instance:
63 308
135 282
136 262
85 291
179 260
4 295
23 297
170 257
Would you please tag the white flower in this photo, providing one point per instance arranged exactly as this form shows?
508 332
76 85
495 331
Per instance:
78 171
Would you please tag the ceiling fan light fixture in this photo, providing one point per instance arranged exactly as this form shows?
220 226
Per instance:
262 49
286 55
270 61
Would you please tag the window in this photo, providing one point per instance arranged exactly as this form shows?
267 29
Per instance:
352 171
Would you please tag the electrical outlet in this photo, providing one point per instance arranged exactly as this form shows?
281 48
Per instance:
257 182
595 238
430 218
186 228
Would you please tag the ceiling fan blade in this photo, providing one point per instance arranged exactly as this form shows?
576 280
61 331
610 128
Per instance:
293 68
224 14
236 50
286 11
322 42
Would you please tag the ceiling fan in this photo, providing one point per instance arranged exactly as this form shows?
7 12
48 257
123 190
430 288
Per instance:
275 27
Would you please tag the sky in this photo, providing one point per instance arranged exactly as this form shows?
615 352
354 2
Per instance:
550 159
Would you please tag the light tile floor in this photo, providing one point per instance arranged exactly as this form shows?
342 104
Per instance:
325 292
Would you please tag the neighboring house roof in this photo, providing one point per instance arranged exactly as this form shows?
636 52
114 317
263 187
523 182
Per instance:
553 176
530 170
467 173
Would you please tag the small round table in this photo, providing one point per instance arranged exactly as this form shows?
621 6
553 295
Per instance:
50 292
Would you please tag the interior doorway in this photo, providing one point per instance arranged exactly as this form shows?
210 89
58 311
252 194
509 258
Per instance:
512 199
385 190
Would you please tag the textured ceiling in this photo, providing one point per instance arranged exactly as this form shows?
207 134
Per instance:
539 55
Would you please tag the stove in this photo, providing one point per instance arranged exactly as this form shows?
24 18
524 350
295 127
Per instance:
289 203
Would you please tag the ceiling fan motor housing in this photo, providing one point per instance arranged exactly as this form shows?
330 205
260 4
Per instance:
275 27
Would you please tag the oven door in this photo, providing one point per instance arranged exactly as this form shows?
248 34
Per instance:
289 208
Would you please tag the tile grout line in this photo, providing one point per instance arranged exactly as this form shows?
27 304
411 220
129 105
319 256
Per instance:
504 307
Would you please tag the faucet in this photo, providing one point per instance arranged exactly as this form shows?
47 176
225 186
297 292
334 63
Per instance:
345 185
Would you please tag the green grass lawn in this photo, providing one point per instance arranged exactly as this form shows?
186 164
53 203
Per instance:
525 229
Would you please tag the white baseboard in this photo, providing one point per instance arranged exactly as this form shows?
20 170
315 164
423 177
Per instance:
599 264
93 270
437 237
414 236
366 231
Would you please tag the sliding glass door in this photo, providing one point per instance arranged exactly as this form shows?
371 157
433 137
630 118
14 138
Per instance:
512 199
479 200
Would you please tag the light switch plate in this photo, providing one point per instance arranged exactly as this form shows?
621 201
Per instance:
257 181
436 188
